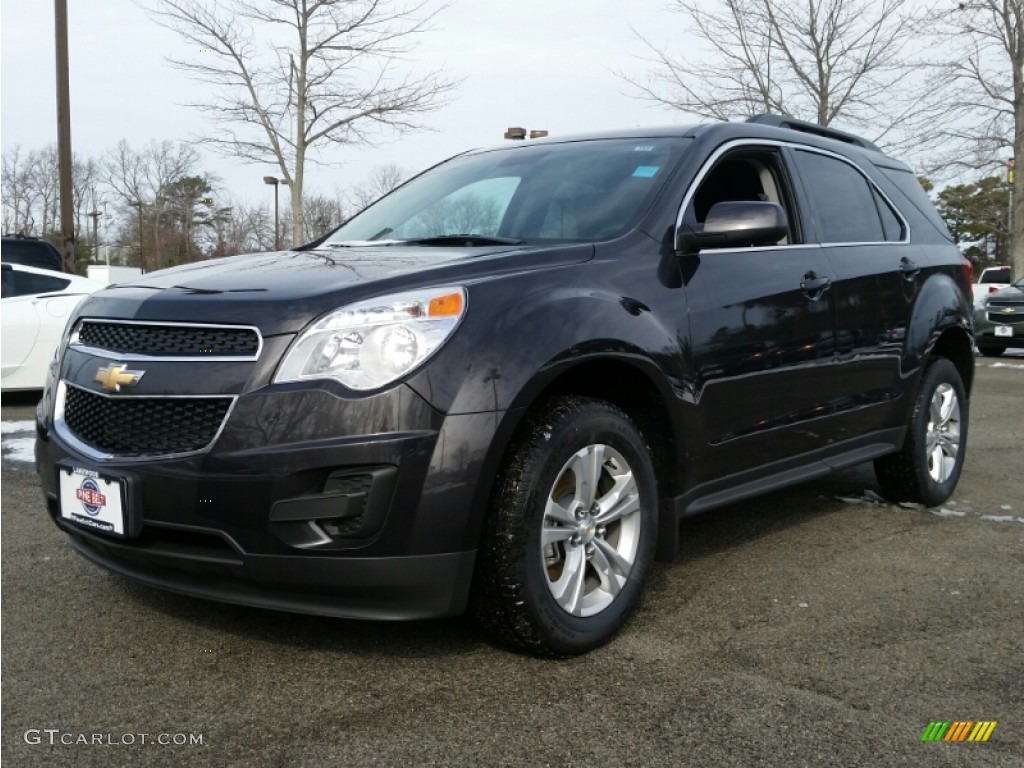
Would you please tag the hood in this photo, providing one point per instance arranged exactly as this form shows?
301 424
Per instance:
282 292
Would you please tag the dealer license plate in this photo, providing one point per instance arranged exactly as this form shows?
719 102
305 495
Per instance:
92 500
1004 330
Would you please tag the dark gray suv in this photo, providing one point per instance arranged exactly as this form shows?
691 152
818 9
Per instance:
503 385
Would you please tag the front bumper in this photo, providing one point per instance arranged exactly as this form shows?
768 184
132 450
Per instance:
268 516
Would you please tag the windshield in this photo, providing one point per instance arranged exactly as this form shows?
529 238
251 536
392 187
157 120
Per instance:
581 191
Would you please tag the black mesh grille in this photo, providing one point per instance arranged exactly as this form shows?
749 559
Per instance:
143 426
170 340
999 317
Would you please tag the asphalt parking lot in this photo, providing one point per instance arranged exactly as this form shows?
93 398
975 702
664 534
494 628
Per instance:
813 627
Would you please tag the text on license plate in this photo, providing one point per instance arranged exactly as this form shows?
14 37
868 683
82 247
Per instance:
91 500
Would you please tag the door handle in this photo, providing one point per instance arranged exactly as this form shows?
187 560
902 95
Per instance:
908 268
813 286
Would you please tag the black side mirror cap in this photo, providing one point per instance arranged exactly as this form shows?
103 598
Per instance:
736 224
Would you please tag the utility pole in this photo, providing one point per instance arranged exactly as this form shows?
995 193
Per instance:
67 215
95 214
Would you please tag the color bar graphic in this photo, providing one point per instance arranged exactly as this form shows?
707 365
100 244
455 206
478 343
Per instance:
958 730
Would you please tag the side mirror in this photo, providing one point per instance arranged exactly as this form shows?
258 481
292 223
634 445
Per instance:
735 224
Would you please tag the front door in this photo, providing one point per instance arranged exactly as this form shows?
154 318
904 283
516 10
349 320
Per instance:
762 328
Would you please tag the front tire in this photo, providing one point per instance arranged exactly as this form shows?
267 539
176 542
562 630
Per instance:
571 530
989 350
928 467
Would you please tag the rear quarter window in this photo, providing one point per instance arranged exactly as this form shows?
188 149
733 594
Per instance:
907 184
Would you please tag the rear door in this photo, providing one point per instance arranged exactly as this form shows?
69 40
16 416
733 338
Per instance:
876 276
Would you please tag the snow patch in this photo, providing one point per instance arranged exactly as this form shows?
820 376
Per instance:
1018 366
943 512
21 449
1002 519
869 497
14 427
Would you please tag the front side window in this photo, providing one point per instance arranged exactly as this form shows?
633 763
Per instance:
582 191
749 174
843 200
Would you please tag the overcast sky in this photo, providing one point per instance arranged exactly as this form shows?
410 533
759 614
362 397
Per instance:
535 63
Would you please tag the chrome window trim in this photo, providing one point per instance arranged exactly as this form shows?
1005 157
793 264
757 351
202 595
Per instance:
74 343
64 431
751 142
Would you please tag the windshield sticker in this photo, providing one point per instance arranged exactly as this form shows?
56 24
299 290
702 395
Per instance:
643 148
645 171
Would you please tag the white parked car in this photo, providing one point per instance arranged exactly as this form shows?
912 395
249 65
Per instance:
34 309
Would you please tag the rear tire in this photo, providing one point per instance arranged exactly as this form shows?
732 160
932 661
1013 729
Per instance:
571 530
928 467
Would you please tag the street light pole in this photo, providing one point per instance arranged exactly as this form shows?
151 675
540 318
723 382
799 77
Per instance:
276 183
142 254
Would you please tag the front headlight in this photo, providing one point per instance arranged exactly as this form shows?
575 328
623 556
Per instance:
370 344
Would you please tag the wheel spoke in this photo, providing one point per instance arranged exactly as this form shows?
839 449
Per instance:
557 513
944 406
620 501
554 535
568 590
587 468
605 571
936 465
950 445
616 562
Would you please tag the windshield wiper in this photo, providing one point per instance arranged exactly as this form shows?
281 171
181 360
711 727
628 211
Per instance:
464 240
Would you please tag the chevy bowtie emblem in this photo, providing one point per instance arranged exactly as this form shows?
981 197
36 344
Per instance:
113 377
1008 310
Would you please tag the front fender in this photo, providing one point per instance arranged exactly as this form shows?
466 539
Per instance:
519 335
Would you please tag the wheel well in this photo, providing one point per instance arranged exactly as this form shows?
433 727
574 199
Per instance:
631 390
955 345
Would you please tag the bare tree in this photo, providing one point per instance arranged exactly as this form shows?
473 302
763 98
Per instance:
19 193
290 76
46 184
141 178
382 179
814 60
321 214
983 78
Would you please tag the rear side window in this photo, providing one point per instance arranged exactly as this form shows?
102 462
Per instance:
29 283
843 199
31 253
996 276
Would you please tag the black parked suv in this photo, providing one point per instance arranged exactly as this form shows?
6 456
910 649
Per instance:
501 386
30 251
